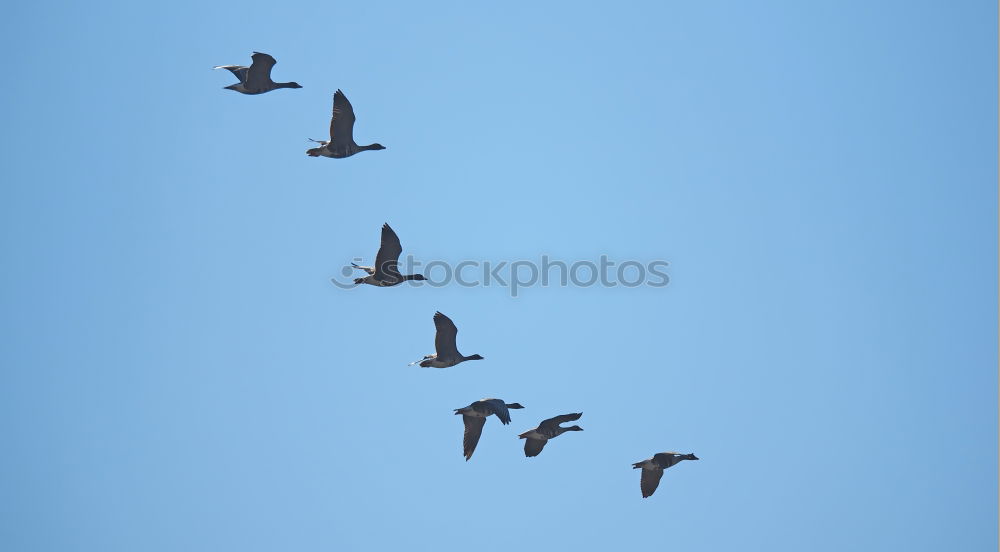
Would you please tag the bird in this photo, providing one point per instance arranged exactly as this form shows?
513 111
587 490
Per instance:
385 273
341 143
652 469
548 429
444 343
474 416
256 79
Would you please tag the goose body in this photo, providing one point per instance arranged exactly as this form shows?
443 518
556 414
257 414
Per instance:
385 273
535 439
446 350
256 79
652 469
341 143
474 417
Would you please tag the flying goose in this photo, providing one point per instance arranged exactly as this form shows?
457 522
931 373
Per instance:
256 79
474 416
385 273
444 343
341 143
548 429
652 469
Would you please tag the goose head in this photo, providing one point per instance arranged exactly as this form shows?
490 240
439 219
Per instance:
474 357
514 405
574 428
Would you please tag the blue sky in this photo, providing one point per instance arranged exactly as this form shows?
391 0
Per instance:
178 373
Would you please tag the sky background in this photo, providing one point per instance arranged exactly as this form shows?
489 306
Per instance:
178 372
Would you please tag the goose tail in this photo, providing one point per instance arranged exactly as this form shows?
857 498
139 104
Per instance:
426 357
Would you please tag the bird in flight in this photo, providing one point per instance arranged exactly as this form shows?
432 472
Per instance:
535 439
256 79
341 143
474 417
385 273
446 354
652 469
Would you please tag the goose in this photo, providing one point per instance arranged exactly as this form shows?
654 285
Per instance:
474 416
652 469
256 79
385 273
341 143
548 429
444 343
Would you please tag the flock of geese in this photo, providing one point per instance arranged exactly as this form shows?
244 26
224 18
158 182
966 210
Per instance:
256 79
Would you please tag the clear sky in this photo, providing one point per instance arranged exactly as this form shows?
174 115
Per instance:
178 372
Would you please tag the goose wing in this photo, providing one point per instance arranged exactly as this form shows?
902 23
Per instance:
552 423
387 259
259 75
499 408
532 447
473 430
238 70
444 338
649 481
342 122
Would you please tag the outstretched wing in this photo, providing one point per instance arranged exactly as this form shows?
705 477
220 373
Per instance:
387 259
238 70
553 422
259 75
499 408
532 447
342 123
473 430
444 338
649 481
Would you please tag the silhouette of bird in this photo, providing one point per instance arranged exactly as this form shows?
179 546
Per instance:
548 429
385 273
474 416
652 469
444 343
341 143
256 79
